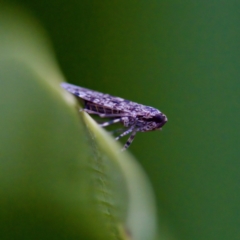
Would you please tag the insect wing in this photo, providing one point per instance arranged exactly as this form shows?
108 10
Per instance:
101 99
84 93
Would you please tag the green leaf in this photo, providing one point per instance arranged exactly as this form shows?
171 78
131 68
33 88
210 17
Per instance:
61 176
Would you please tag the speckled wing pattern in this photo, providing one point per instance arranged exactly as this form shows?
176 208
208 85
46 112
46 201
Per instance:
134 117
111 102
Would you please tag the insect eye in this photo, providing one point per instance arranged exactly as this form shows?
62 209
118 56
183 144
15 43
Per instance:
158 118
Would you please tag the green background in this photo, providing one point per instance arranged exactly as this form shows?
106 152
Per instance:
183 58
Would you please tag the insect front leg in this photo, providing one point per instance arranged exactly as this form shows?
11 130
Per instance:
118 130
125 133
129 141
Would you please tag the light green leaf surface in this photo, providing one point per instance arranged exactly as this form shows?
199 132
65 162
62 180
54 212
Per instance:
61 176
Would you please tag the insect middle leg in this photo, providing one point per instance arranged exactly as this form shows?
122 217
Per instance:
105 124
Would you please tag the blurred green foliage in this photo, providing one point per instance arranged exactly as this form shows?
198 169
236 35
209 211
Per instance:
61 176
183 58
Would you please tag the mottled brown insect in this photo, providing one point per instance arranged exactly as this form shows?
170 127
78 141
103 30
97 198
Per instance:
134 117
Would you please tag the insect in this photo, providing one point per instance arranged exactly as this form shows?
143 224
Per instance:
134 117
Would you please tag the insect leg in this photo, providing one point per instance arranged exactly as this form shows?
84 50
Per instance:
129 141
124 133
88 111
105 124
109 115
118 130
